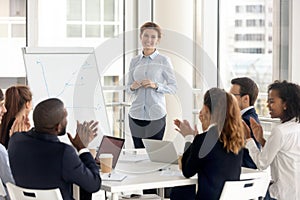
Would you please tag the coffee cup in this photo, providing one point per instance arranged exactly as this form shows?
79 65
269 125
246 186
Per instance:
106 162
93 152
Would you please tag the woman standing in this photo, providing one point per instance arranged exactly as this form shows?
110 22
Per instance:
18 101
282 149
151 76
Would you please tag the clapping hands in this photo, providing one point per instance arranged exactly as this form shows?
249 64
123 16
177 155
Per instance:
256 130
20 124
184 128
85 133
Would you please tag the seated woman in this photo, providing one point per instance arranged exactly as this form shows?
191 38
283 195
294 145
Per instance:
5 172
282 149
18 101
216 154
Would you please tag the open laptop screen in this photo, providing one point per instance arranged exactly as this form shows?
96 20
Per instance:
161 151
111 145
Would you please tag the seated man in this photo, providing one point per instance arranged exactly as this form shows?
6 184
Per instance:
40 161
246 91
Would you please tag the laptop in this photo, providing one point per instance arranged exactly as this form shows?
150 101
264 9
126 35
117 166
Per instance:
161 151
110 144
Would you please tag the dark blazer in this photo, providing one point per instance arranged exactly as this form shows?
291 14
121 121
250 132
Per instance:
207 157
247 160
41 161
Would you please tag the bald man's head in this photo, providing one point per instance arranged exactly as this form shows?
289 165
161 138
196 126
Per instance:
48 114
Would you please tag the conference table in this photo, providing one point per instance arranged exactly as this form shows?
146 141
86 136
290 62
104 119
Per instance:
144 174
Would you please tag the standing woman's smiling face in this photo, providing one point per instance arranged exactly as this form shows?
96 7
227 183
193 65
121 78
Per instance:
149 39
275 105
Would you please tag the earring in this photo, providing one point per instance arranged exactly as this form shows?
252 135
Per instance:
284 108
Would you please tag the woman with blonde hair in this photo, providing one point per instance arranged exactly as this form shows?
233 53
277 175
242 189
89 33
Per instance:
18 102
215 155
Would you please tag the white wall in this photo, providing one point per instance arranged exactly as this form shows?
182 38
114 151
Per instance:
176 19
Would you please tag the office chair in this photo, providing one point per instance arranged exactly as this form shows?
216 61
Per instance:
19 193
2 189
245 189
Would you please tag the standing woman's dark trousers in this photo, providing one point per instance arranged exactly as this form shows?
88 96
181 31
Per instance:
146 129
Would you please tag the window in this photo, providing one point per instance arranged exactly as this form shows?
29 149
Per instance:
250 22
255 8
255 23
92 19
247 50
238 23
12 38
249 37
238 9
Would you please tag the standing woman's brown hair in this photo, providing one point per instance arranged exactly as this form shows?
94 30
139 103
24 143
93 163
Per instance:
18 102
151 25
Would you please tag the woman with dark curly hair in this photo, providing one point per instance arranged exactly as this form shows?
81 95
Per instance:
282 149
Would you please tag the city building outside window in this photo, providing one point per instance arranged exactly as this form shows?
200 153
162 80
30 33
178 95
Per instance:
247 50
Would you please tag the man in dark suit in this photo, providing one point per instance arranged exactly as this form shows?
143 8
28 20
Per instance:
40 161
246 91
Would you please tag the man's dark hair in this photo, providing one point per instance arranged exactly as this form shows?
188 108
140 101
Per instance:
290 94
48 113
247 87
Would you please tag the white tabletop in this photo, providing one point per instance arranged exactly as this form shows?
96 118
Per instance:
154 175
144 174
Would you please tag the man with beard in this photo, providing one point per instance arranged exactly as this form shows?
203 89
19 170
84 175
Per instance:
40 161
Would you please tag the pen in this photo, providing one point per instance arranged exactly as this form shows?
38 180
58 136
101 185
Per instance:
164 169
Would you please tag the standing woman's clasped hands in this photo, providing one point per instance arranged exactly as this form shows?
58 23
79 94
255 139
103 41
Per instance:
85 133
135 85
147 83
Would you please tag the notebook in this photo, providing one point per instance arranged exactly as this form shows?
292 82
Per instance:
110 144
161 151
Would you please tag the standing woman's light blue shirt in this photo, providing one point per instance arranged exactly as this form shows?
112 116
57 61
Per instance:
149 103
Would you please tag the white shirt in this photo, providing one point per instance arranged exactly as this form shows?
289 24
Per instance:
5 172
149 103
246 109
282 153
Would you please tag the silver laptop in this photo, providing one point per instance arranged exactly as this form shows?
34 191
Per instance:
161 151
